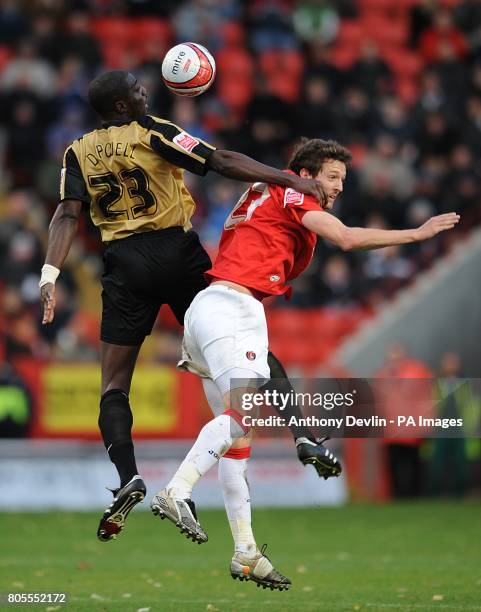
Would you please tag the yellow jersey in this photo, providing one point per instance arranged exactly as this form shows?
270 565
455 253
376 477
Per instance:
131 174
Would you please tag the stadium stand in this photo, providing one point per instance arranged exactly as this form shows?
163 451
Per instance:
397 82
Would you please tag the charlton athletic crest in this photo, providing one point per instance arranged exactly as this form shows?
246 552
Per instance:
291 196
250 355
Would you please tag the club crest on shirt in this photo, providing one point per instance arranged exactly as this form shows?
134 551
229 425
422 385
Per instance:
185 141
291 196
250 355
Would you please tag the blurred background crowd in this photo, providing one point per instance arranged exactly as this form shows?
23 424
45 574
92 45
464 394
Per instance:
397 82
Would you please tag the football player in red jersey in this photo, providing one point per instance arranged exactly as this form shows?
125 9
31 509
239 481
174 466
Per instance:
268 240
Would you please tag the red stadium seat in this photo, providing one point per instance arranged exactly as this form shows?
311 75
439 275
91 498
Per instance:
234 62
145 30
407 89
385 31
288 89
113 29
343 57
5 56
118 56
403 62
350 33
289 63
235 92
232 34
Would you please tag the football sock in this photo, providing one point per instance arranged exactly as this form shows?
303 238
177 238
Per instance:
235 489
280 382
214 439
115 423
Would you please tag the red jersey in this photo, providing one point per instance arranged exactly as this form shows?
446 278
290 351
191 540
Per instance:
264 244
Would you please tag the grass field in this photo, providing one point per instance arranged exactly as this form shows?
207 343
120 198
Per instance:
413 556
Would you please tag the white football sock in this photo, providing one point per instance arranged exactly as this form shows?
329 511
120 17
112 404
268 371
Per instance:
214 440
235 489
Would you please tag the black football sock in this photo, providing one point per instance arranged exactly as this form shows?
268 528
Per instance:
115 423
280 382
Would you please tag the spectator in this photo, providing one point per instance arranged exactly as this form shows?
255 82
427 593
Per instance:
443 32
317 112
316 21
370 72
319 65
460 187
79 42
383 167
421 18
404 454
23 158
356 116
449 463
27 72
270 25
436 137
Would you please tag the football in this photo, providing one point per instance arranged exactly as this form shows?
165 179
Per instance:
188 69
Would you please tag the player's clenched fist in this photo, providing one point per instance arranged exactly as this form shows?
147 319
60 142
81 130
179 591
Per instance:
47 296
437 224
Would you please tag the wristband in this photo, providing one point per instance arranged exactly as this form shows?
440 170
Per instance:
49 275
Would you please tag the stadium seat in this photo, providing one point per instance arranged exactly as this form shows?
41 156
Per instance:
145 30
112 29
232 34
343 57
287 89
385 31
403 62
5 55
234 62
289 63
118 56
407 89
235 92
350 33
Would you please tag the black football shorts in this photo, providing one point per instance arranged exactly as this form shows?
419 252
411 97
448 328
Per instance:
144 271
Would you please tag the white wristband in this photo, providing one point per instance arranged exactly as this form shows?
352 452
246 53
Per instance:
49 275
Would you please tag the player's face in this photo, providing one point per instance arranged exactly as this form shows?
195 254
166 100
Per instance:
137 99
332 176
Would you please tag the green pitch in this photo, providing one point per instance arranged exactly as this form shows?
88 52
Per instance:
416 556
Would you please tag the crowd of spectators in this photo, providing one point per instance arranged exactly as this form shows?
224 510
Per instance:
399 82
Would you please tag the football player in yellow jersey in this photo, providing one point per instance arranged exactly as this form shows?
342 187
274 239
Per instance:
130 173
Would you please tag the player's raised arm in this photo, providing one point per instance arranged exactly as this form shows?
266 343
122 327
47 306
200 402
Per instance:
61 232
352 238
243 168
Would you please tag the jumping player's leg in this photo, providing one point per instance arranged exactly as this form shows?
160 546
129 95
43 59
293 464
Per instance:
115 423
310 450
115 418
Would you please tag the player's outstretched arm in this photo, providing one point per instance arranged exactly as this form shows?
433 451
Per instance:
243 168
352 238
61 232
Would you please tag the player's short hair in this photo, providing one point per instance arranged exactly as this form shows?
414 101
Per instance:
312 153
107 89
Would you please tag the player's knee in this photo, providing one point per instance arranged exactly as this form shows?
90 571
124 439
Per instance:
115 417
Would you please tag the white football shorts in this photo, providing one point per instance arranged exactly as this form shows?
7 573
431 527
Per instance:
225 331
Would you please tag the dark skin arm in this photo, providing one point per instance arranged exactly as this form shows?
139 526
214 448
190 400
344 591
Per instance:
242 168
61 233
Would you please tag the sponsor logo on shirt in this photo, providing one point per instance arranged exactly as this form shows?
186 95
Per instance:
251 355
293 197
186 141
274 278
